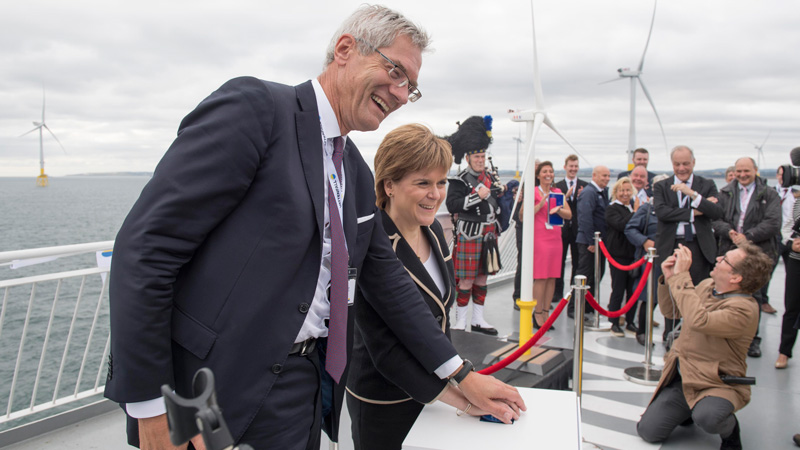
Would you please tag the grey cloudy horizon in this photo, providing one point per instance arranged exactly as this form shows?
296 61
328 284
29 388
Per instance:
120 76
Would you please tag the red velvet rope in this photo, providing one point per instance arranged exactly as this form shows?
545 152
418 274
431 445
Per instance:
590 299
618 265
531 342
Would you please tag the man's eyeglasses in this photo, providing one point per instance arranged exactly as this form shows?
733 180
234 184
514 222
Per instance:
397 75
728 263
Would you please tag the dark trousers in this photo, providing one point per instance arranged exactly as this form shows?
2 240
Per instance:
791 301
669 409
621 289
656 271
290 416
567 245
586 268
381 427
518 274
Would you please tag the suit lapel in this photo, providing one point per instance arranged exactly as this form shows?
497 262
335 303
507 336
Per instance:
309 142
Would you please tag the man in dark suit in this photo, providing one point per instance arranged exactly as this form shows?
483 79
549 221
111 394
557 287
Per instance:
685 205
641 157
571 186
592 205
241 250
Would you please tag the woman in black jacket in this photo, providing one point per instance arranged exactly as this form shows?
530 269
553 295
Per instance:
618 213
386 387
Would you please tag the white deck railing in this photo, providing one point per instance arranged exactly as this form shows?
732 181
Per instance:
57 324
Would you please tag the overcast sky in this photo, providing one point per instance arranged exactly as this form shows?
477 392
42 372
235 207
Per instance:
120 75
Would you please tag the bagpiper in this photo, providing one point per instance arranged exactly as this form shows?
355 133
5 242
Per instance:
472 200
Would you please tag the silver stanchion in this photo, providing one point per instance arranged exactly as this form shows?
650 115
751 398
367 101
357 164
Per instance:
647 373
596 325
577 356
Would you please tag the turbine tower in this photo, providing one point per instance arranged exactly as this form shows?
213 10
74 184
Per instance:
760 149
533 118
634 76
41 180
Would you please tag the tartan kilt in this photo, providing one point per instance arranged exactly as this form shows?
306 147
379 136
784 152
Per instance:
468 256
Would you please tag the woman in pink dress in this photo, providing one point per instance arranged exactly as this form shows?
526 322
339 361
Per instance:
546 243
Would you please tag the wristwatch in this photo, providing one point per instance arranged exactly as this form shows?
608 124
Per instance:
466 368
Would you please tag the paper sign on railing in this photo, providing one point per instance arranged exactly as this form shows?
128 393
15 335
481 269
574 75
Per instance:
104 262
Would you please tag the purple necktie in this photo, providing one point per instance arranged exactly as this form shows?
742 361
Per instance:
336 357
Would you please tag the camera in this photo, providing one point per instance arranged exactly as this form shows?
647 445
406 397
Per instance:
790 174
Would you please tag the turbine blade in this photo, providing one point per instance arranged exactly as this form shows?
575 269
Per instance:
610 81
537 82
29 132
650 99
54 137
652 22
552 126
765 140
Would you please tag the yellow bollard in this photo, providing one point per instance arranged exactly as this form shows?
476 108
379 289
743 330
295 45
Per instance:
525 322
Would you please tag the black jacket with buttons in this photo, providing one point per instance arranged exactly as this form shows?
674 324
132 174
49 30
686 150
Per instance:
381 369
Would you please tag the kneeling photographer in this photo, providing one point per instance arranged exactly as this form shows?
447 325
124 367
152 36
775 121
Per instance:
704 378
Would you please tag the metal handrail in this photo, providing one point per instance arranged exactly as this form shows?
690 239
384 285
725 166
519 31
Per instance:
52 369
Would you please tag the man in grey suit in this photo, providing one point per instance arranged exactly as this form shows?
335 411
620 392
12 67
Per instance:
240 252
685 205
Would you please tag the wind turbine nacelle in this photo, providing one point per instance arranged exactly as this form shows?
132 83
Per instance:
37 124
627 72
522 116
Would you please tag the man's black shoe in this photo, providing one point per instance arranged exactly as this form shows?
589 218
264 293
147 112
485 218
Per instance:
796 439
640 339
488 330
616 330
755 348
734 441
516 306
632 328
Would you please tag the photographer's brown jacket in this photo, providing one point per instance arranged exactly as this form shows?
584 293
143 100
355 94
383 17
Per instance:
714 338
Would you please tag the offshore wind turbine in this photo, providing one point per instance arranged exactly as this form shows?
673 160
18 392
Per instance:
760 149
41 180
634 76
534 119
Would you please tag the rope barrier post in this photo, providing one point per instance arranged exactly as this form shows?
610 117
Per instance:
596 326
647 374
525 322
577 356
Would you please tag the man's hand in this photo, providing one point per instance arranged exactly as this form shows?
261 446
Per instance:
590 248
683 259
636 203
492 395
483 191
737 238
154 435
796 245
648 243
712 199
667 267
683 188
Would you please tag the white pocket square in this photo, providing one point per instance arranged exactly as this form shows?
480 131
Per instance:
365 218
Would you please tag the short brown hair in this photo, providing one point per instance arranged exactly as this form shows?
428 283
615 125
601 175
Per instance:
570 157
641 150
406 149
755 268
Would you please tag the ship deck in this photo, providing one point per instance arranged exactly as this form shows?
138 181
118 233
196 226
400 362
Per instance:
611 405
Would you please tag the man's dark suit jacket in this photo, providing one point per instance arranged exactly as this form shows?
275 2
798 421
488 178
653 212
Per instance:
217 262
670 213
569 231
592 205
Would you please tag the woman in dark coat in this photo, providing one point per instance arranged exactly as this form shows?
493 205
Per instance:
618 213
386 387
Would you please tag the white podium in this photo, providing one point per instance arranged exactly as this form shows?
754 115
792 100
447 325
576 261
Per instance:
552 421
